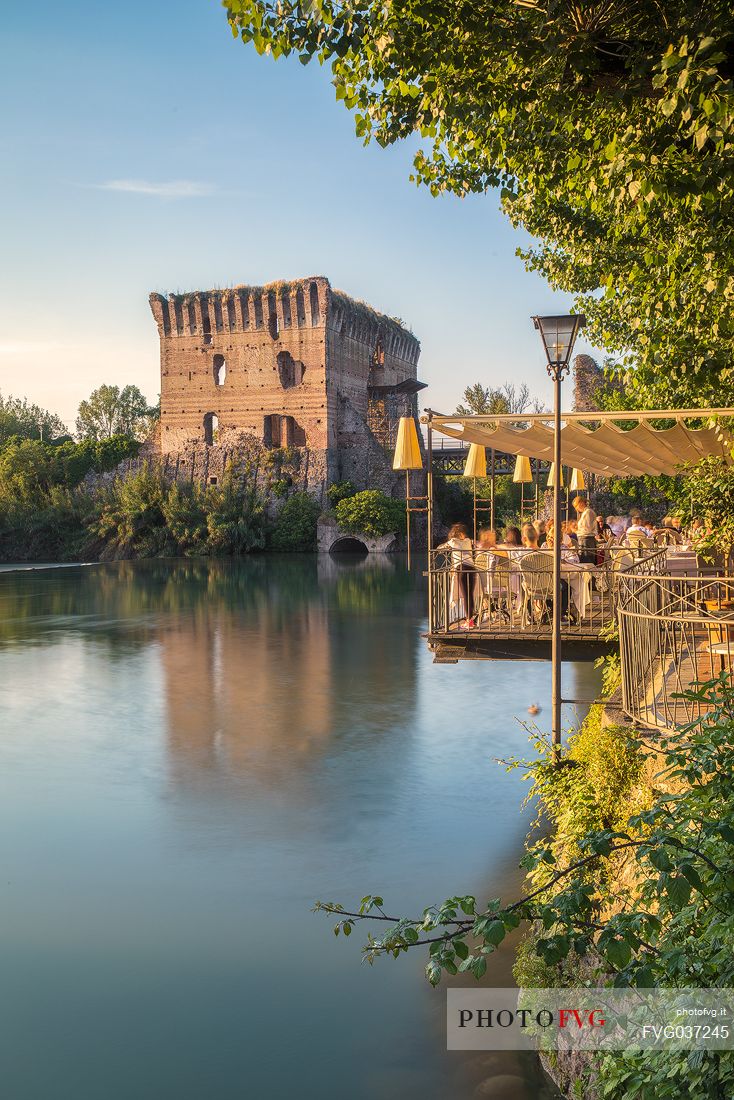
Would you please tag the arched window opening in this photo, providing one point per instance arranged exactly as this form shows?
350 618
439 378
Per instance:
178 315
314 298
272 316
219 369
285 302
211 428
231 315
300 308
192 317
378 355
290 370
258 311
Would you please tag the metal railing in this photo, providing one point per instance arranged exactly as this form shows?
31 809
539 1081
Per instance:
674 632
482 593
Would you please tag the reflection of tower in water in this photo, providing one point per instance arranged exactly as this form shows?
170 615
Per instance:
235 683
268 685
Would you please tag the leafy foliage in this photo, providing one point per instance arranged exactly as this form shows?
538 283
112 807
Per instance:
21 418
339 491
295 527
480 400
642 893
110 411
371 513
606 126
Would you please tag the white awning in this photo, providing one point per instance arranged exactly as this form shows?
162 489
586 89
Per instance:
607 448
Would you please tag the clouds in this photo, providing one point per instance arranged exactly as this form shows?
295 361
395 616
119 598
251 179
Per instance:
170 189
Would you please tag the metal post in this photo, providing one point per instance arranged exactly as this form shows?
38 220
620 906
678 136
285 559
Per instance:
429 510
429 483
557 539
537 488
475 509
491 494
407 513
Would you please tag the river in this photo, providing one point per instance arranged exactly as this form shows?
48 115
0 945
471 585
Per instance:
191 753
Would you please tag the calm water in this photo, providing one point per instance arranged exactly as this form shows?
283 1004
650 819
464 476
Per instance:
190 754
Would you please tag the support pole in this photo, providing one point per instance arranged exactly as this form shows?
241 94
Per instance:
557 540
407 513
475 510
491 493
429 483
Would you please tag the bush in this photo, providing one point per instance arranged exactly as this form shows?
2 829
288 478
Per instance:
295 527
235 518
339 491
371 513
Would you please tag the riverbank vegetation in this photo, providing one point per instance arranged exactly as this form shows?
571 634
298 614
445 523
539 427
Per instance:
633 887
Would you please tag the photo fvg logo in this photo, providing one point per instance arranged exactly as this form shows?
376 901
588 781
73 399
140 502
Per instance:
585 1018
524 1017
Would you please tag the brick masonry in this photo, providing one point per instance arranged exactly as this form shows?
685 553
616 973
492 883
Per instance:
297 365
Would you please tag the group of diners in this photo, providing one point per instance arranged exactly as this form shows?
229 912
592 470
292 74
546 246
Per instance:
473 564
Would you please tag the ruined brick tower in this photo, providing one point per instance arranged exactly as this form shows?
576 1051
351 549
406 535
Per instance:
294 364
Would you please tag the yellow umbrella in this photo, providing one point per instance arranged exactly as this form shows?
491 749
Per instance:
407 457
476 461
407 449
523 474
577 480
552 477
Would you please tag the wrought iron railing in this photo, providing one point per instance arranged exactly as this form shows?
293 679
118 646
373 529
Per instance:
674 632
489 594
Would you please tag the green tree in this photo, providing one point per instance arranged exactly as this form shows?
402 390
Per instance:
480 400
110 411
607 128
19 418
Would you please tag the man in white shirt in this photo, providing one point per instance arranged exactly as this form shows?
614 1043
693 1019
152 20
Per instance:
586 531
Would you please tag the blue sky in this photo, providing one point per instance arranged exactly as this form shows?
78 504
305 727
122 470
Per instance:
143 148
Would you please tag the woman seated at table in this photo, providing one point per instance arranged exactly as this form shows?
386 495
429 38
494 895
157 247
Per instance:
530 540
512 537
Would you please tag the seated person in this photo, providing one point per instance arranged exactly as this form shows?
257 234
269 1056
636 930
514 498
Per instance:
512 536
639 529
668 533
540 528
530 540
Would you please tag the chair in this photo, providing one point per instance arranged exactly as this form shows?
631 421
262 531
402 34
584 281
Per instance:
639 542
496 587
537 584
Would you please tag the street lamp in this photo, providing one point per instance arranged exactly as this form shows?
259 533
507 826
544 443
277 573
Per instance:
408 457
558 335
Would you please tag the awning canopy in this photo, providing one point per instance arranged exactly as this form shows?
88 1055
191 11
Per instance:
606 448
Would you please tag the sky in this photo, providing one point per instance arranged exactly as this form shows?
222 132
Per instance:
143 148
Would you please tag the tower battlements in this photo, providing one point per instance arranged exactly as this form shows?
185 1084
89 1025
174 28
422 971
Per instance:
296 364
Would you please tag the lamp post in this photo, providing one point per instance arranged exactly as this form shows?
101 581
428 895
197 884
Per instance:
408 457
558 335
523 474
475 466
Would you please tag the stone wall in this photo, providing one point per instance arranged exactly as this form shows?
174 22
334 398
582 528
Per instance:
291 364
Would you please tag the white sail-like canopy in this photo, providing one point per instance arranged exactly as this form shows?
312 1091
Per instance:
606 448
